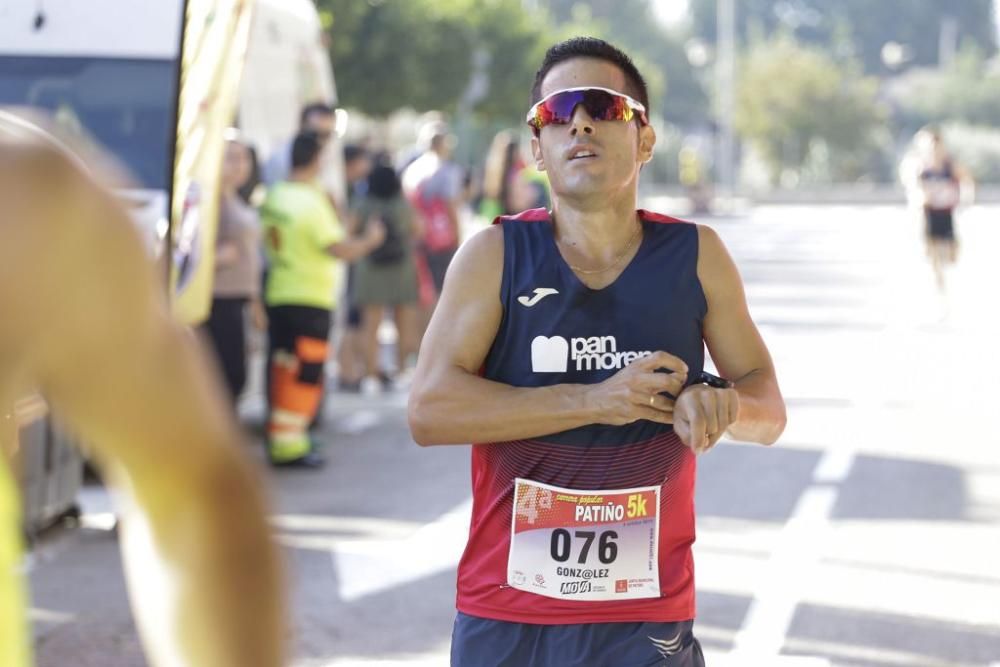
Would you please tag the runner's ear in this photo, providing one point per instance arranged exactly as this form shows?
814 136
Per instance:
536 152
647 140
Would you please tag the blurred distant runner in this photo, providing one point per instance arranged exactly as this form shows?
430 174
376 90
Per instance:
939 184
570 344
86 323
305 243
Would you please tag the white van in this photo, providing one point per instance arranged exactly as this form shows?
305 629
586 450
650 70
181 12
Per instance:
113 87
152 84
108 71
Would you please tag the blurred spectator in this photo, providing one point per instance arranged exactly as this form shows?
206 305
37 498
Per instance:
320 119
938 184
691 173
351 355
304 241
237 270
386 278
509 184
433 185
249 192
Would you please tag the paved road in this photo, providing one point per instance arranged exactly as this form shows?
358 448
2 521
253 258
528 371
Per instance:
868 536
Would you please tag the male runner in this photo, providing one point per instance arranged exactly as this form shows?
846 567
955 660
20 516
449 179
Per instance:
560 343
84 321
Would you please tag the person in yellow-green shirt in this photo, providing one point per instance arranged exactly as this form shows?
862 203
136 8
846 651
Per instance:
305 244
85 320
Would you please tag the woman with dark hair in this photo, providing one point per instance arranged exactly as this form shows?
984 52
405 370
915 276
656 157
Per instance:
236 288
510 185
386 279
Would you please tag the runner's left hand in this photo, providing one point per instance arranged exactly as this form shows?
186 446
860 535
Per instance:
702 414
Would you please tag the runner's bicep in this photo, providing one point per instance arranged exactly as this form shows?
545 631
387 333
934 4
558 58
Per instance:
733 340
469 312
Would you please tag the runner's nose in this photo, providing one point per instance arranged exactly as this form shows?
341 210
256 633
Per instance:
581 121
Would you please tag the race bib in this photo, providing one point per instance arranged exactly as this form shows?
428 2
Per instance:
585 545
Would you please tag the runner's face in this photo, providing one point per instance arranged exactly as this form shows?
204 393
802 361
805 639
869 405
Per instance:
619 148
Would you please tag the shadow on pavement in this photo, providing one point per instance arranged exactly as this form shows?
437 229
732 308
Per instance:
856 637
764 484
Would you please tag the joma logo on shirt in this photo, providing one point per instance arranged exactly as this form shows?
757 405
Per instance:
594 353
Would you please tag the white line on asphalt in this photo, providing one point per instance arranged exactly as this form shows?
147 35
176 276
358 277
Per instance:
834 466
364 567
38 615
358 422
793 561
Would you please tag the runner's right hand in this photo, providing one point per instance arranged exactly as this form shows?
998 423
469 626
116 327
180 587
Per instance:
625 396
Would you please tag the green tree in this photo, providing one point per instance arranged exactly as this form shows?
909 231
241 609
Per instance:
794 103
858 28
397 53
967 91
513 40
390 54
675 90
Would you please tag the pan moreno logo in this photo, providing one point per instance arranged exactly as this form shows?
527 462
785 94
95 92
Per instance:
555 354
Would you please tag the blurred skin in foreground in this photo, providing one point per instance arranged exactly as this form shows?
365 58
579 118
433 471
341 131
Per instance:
86 323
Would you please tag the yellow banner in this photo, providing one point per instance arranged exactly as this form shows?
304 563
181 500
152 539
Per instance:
215 42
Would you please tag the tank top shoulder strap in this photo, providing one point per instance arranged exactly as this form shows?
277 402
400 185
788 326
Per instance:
522 246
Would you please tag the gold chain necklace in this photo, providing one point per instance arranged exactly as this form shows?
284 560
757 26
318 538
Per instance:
617 260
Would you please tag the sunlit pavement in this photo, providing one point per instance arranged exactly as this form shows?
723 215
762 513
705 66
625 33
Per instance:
867 536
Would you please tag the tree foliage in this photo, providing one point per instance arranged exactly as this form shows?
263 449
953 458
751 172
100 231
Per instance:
793 100
675 90
397 53
967 91
858 28
390 54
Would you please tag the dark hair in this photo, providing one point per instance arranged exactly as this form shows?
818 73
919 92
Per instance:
383 182
305 149
320 108
592 47
354 152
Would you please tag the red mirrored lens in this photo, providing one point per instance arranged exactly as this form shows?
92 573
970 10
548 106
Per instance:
599 104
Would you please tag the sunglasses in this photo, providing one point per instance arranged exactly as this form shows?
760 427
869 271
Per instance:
600 103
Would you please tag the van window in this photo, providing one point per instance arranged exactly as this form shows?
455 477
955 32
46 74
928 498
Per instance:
125 106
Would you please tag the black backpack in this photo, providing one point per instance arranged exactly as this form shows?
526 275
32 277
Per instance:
392 249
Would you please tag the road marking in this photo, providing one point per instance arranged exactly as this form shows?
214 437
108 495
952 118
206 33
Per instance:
793 562
38 615
358 422
834 466
365 567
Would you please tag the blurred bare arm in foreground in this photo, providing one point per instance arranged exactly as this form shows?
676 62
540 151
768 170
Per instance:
84 317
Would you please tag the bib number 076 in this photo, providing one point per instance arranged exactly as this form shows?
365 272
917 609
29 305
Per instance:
561 545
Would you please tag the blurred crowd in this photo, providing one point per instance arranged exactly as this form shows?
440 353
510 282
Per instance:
343 288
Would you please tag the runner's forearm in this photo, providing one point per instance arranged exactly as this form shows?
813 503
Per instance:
762 410
465 408
222 604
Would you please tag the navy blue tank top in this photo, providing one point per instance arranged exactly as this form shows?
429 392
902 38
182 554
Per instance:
557 330
580 335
